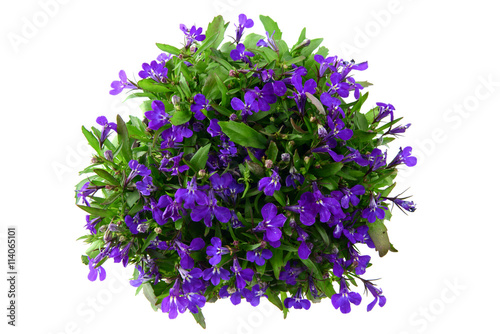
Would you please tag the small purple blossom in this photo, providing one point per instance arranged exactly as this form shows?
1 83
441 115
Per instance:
174 302
215 275
121 84
240 54
193 34
403 157
374 210
216 251
344 298
259 256
243 23
95 271
156 71
190 195
297 302
146 186
184 251
248 107
157 117
346 195
270 184
208 209
271 223
106 130
253 296
133 223
200 103
242 275
300 95
377 293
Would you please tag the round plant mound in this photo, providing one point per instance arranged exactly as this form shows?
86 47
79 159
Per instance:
253 173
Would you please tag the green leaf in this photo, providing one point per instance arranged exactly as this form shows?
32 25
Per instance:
302 37
360 121
323 234
315 43
97 212
327 170
150 295
272 151
93 141
357 106
242 134
200 318
168 48
181 116
152 86
379 236
123 138
316 103
208 43
271 26
108 177
199 159
273 298
364 83
150 238
216 28
387 190
277 262
223 62
278 195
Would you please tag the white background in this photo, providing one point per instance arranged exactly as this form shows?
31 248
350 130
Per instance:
437 62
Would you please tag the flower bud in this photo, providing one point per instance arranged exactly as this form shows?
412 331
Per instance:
103 228
158 230
193 48
142 228
322 131
108 235
113 227
268 163
312 119
231 290
94 160
285 157
202 173
271 119
233 117
307 159
233 73
175 99
197 126
108 154
122 238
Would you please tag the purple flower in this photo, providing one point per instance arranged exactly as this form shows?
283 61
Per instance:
214 128
240 54
398 130
403 156
190 195
289 274
200 103
191 279
270 184
137 169
377 293
157 117
215 275
327 206
119 85
297 302
94 272
209 209
307 208
344 298
333 104
325 64
195 299
337 86
259 256
374 210
145 186
248 107
383 111
253 296
216 251
337 129
271 43
271 223
356 157
265 96
174 302
294 176
193 34
346 195
156 71
184 251
84 192
300 95
242 275
243 23
406 205
107 127
376 159
233 190
92 223
235 294
304 249
132 223
172 166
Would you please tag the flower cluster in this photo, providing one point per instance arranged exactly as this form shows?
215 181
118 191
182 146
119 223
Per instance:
252 174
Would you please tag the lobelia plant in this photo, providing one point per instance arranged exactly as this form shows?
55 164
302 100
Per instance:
253 174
